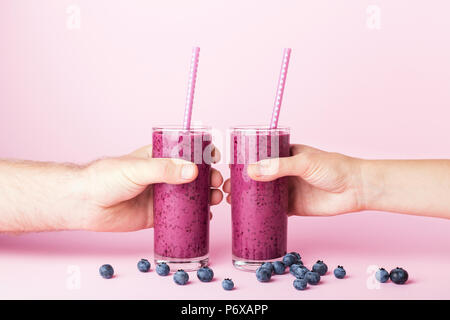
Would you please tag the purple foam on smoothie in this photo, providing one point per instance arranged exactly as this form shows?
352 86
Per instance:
181 212
259 209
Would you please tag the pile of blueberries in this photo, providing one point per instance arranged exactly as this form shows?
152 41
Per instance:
181 277
303 276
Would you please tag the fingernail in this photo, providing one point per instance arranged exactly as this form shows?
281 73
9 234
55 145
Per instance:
187 171
266 167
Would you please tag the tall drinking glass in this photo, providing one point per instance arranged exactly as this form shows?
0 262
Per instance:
259 209
181 212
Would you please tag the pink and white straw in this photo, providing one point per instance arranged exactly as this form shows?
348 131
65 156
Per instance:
191 88
280 88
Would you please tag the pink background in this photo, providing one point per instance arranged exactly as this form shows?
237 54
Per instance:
75 95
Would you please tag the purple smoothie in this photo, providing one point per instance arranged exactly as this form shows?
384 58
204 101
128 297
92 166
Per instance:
181 212
259 209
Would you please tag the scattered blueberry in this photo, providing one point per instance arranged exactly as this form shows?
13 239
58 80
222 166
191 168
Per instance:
294 267
339 272
300 272
205 274
312 277
320 267
289 259
143 265
382 275
181 277
300 284
162 269
263 274
399 275
268 266
278 267
227 284
106 271
297 255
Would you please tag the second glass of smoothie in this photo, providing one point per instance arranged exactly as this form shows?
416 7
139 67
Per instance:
259 209
181 211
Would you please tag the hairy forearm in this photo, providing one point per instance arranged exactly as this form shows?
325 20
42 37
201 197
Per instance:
419 187
36 196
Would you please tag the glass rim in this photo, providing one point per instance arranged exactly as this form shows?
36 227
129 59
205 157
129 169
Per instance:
178 128
259 128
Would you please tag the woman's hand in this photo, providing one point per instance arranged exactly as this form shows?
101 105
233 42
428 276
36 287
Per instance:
320 183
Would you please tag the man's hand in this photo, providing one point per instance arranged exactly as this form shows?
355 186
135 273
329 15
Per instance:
121 191
112 194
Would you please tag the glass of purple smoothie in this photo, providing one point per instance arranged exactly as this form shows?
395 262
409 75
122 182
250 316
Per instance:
181 212
259 209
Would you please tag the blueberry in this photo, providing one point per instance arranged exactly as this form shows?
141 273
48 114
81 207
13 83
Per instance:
106 271
312 277
205 274
162 269
143 265
268 266
289 259
263 274
181 277
300 272
278 267
339 272
227 284
294 267
382 275
300 284
320 267
297 255
399 275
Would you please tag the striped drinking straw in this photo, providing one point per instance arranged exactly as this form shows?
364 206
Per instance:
280 88
191 88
